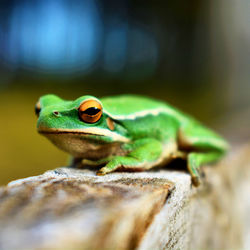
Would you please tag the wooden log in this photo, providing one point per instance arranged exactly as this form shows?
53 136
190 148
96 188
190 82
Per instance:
75 209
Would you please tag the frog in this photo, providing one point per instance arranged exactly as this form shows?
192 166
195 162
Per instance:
127 133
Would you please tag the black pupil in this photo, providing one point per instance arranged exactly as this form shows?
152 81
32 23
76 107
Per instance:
91 111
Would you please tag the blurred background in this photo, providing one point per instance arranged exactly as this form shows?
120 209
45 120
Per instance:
193 54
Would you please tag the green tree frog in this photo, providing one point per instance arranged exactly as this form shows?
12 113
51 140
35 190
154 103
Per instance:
127 132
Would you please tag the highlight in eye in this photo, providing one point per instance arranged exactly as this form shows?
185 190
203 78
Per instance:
90 111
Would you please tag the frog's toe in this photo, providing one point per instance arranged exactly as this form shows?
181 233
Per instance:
100 173
196 181
104 170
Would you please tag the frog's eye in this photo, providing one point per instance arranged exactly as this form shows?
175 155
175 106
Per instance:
90 111
37 108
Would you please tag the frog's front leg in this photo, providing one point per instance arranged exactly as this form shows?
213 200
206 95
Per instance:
143 154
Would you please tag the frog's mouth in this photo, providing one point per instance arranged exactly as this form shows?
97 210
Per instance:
87 132
67 132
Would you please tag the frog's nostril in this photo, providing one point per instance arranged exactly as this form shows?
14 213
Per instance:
56 113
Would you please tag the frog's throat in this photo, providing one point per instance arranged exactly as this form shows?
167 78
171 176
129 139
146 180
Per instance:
86 131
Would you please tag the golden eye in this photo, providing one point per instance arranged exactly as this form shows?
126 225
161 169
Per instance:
90 111
37 108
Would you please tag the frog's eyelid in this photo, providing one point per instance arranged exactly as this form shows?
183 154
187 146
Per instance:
90 99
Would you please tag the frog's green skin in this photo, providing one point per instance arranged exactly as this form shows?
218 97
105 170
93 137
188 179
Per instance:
145 133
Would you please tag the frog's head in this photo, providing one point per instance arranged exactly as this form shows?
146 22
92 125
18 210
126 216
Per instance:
75 125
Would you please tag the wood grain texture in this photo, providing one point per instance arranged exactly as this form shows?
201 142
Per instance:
75 209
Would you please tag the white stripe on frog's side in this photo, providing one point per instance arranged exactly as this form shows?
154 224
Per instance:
91 131
144 113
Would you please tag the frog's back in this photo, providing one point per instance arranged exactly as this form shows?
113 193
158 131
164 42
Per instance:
132 106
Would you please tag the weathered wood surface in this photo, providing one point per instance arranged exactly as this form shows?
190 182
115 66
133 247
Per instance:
75 209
